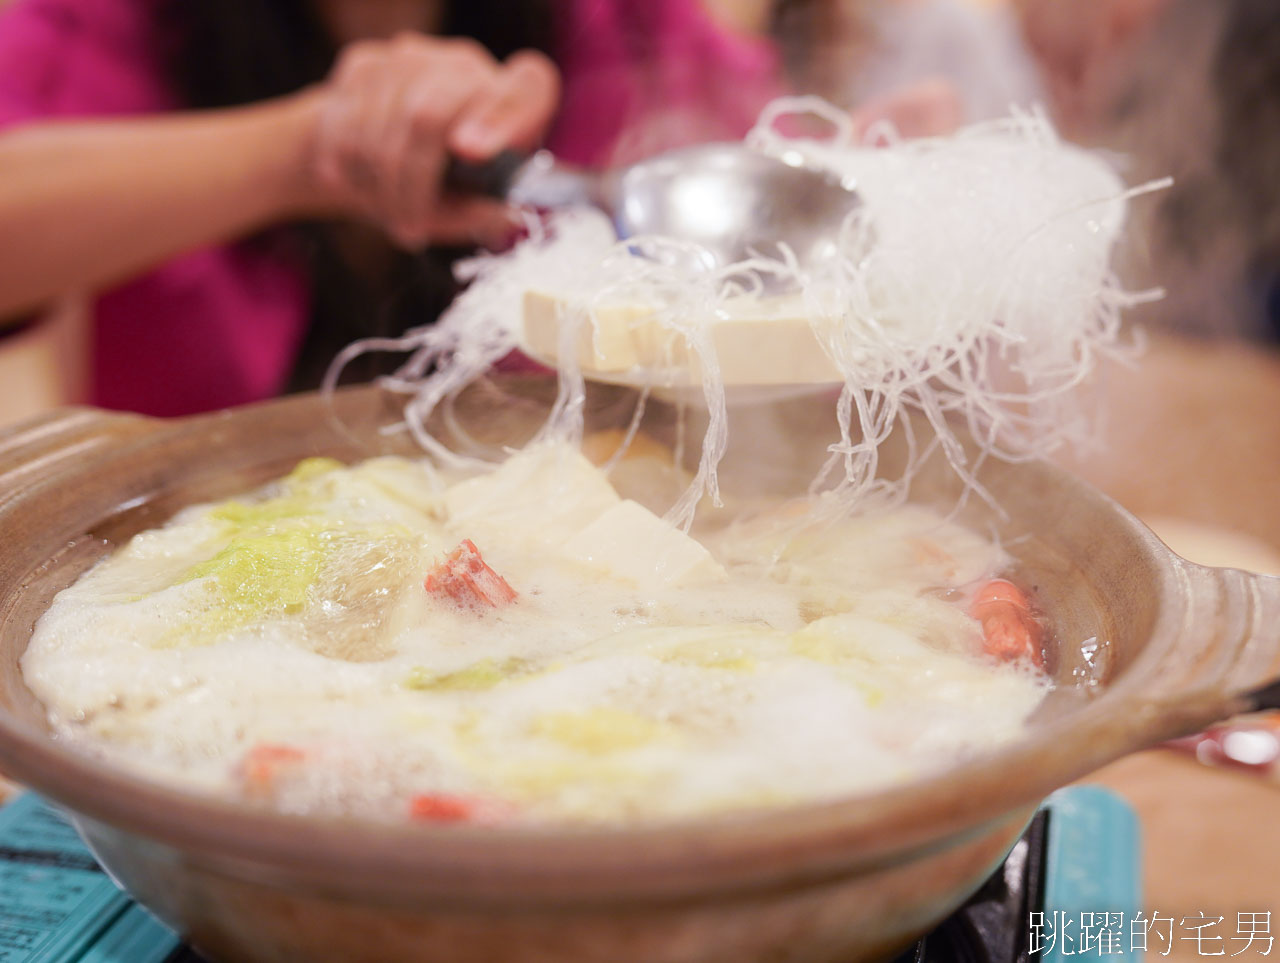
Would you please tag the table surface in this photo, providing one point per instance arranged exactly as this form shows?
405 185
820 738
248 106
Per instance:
1192 446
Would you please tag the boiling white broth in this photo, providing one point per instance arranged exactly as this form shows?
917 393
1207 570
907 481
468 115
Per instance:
283 649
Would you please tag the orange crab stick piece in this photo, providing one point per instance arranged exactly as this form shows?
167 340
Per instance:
263 765
464 577
1010 630
436 807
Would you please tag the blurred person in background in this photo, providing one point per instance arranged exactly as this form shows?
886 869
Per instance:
1188 88
855 51
255 183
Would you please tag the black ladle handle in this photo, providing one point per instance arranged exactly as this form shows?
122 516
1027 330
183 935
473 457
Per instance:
491 178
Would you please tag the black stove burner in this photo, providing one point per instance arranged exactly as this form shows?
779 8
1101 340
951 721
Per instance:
992 926
184 954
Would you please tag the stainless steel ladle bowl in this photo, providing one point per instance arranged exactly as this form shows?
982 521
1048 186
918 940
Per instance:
726 198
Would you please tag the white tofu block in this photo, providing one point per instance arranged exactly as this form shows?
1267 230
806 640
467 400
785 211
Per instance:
631 542
611 344
543 492
757 341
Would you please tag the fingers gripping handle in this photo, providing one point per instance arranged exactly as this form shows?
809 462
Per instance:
491 178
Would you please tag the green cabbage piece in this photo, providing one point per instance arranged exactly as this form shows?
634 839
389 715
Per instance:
476 677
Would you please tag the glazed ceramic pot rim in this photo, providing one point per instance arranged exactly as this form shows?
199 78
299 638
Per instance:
702 858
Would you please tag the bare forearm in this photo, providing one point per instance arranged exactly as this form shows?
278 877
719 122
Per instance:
84 204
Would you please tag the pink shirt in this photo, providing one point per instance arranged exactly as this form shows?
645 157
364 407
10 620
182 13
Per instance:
221 326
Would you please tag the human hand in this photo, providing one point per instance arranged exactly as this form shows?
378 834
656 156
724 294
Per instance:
393 112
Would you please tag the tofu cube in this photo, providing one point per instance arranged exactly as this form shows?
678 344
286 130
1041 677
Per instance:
628 541
543 492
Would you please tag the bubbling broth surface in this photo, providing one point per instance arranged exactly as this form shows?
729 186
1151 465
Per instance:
530 644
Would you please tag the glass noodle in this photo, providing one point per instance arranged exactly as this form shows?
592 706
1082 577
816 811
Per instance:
973 287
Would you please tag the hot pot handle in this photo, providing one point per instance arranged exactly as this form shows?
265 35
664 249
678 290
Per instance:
1264 636
1230 642
38 447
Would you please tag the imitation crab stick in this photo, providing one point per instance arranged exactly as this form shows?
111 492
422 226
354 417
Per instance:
1010 630
464 577
435 807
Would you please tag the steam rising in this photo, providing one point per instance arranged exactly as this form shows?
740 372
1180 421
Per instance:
973 287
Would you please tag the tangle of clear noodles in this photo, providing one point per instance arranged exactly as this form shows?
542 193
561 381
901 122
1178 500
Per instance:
972 287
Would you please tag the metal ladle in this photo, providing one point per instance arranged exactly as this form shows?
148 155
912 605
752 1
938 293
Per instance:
727 198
